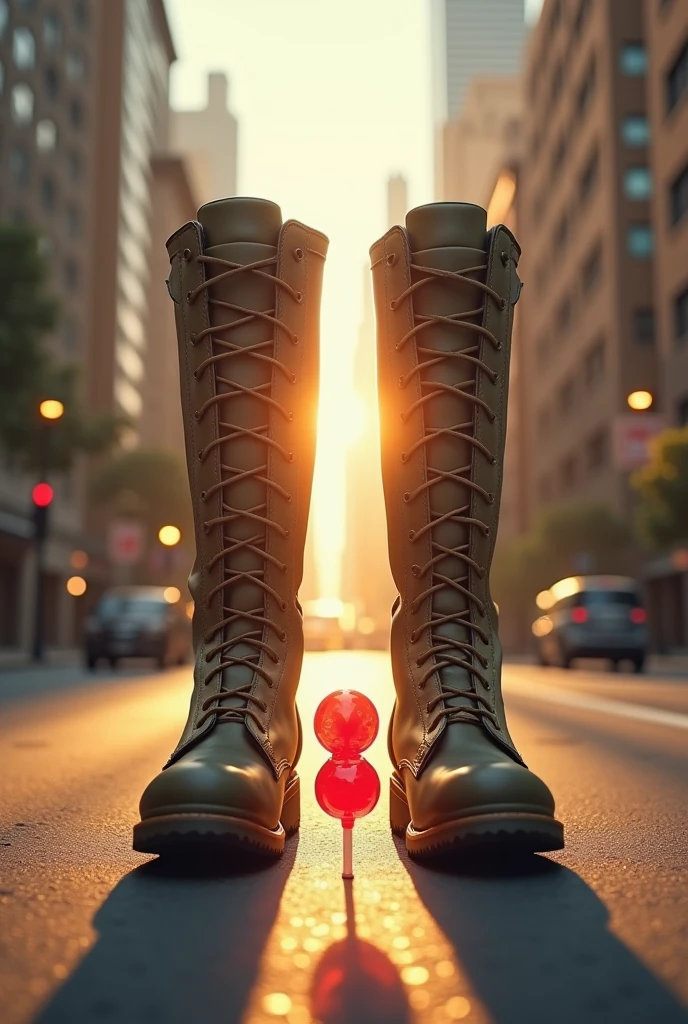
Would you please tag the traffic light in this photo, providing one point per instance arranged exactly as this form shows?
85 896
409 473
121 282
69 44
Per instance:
42 495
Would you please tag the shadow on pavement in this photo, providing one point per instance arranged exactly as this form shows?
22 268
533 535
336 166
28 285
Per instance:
175 945
534 945
354 982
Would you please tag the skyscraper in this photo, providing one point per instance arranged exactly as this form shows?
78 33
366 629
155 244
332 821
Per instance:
470 38
207 139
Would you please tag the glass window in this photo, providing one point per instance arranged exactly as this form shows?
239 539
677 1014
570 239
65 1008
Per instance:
71 275
637 183
19 165
4 16
2 78
75 166
76 65
639 241
70 336
48 194
76 113
46 135
588 179
633 60
52 83
52 31
677 79
28 5
635 130
679 196
587 89
73 221
593 598
681 316
592 269
644 326
593 367
22 104
598 449
81 14
24 48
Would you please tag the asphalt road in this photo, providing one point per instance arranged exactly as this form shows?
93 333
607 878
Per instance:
92 932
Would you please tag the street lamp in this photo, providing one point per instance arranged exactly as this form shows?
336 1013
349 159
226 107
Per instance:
169 537
640 400
50 411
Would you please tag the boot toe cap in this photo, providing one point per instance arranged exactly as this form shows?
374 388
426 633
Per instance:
250 792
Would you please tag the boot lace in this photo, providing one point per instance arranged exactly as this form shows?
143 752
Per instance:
448 650
223 351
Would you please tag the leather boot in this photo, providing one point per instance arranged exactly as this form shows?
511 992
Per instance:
445 291
246 290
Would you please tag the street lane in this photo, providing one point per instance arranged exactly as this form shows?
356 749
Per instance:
91 931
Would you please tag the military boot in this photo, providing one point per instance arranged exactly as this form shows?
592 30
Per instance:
445 291
246 291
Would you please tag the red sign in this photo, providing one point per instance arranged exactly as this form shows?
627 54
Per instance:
125 541
632 436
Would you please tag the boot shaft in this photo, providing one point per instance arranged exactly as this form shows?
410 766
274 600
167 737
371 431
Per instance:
248 354
445 291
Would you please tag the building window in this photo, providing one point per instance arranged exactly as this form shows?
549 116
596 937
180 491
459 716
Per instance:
76 113
48 194
2 78
70 336
567 397
597 450
24 48
581 17
559 156
75 166
679 196
682 412
22 104
561 233
4 16
639 241
588 179
635 131
592 270
637 183
569 472
76 65
71 275
677 79
19 165
81 14
52 31
593 365
52 83
73 221
681 317
633 60
644 326
564 315
46 135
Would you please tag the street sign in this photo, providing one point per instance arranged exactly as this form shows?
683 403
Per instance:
125 541
632 436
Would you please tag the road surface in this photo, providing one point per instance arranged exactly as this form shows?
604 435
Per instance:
92 932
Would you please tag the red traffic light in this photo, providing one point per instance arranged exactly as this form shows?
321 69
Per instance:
42 495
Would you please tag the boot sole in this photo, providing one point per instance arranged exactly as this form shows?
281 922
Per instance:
184 834
517 832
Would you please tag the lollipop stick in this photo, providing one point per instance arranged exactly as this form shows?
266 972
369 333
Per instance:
348 866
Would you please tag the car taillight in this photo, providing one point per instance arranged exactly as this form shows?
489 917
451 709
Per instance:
638 616
579 615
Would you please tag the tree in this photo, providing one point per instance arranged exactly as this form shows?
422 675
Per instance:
29 371
663 487
148 484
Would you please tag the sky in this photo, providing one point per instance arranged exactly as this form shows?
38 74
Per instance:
331 100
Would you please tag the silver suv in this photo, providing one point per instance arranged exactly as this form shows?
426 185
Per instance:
592 617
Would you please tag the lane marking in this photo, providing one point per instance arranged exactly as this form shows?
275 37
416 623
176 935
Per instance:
621 709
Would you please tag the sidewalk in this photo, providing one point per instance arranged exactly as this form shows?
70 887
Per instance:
657 664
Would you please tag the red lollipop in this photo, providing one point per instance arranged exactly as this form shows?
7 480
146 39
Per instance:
347 786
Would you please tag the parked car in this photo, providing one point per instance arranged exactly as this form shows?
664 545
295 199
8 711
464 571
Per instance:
592 617
139 622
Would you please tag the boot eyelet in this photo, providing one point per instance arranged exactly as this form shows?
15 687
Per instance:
504 256
195 375
495 378
412 637
283 637
402 417
403 456
290 417
283 606
407 496
206 529
293 378
200 456
503 304
186 255
415 570
499 346
298 254
288 498
290 457
294 339
490 499
412 535
299 297
487 531
286 534
391 259
192 339
197 415
393 306
203 495
494 461
400 382
188 298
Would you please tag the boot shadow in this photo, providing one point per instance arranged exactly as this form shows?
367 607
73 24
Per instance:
175 944
354 982
533 941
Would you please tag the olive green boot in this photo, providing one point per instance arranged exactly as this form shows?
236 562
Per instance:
445 291
246 290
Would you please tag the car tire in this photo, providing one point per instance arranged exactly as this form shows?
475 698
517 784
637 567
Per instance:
564 658
639 665
91 663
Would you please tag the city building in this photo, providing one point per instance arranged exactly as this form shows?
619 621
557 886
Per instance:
470 38
83 107
667 40
477 136
586 335
208 138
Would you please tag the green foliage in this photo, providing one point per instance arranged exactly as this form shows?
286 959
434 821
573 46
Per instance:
663 486
148 484
29 372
